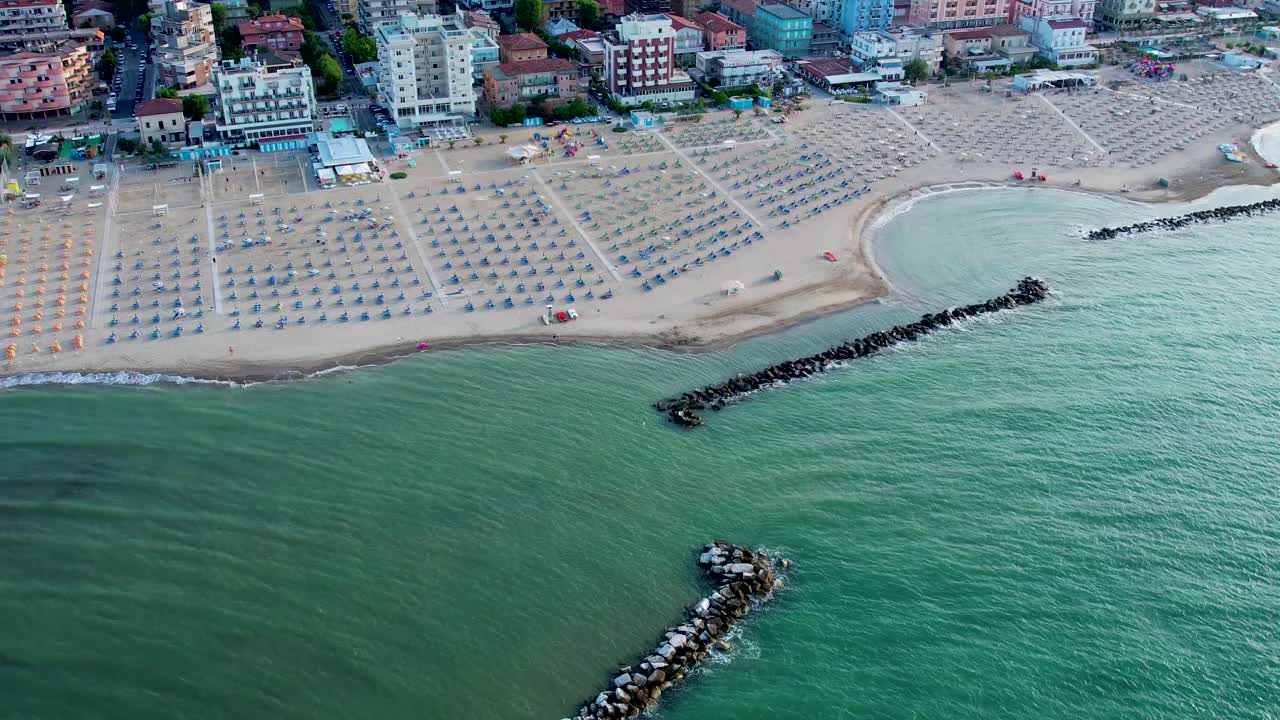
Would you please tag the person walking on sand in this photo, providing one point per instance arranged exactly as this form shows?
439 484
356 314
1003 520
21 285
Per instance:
231 351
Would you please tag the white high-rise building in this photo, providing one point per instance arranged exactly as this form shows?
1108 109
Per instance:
425 71
373 13
265 100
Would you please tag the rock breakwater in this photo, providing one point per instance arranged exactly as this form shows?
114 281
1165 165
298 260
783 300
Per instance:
1219 214
744 578
683 410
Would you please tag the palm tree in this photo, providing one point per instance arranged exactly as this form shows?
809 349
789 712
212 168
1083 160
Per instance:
737 113
452 143
503 138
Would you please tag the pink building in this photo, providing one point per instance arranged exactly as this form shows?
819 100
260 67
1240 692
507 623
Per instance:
273 32
46 83
956 14
554 79
721 33
1078 9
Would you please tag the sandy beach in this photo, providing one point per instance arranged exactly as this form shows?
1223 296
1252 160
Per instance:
674 238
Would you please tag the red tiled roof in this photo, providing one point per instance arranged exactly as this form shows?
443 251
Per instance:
680 23
583 34
479 19
1066 24
258 27
715 22
544 65
746 7
521 41
159 106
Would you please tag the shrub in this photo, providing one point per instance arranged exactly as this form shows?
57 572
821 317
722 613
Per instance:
399 175
619 128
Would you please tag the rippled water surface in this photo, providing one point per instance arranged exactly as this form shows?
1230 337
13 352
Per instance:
1065 511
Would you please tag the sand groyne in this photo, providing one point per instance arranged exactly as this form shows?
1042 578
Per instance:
744 577
1219 214
683 410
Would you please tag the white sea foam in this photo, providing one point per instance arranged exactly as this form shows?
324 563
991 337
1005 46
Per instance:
103 378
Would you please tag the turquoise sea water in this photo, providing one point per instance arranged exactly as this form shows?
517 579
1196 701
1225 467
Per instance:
1066 511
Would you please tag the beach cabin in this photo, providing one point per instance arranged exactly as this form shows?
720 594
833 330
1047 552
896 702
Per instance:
900 95
1240 61
741 102
644 120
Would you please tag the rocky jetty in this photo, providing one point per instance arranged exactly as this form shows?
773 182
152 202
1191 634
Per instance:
1219 214
744 578
683 410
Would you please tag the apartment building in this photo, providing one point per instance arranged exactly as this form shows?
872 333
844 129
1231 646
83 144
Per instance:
721 33
186 51
40 84
727 69
161 120
425 71
689 38
372 13
957 14
31 16
555 79
267 99
1079 9
639 62
272 32
520 47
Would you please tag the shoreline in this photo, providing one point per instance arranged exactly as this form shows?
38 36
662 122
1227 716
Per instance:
864 227
696 319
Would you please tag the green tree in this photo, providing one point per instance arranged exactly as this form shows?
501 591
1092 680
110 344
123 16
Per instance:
229 42
361 49
8 153
313 48
916 70
167 92
588 13
195 106
219 15
575 108
144 22
330 75
502 138
107 63
528 14
737 113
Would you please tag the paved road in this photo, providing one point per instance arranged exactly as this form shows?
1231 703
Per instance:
129 59
331 21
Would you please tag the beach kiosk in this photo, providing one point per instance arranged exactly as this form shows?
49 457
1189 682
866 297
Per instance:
344 161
